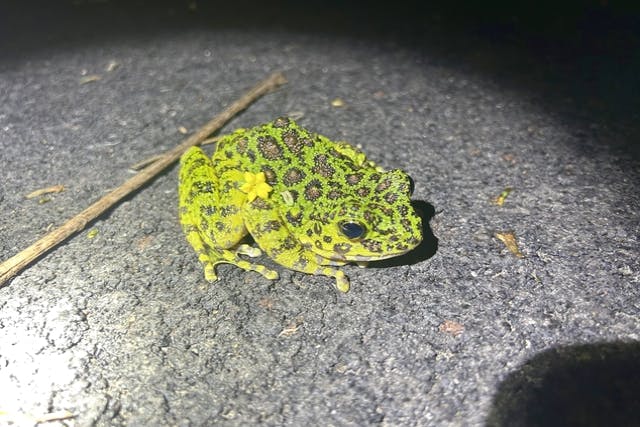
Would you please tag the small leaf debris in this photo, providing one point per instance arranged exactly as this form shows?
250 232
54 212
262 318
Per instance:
499 200
43 191
183 130
509 240
338 102
90 78
92 233
451 327
292 327
111 66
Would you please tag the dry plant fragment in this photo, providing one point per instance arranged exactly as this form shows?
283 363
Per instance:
509 240
499 200
90 78
452 328
146 162
16 263
48 190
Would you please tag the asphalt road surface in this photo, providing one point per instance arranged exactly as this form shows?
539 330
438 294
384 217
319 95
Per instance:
117 325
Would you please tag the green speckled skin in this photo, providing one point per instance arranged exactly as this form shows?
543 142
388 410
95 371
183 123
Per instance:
310 204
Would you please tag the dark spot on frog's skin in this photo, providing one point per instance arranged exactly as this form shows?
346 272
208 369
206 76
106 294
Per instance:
318 244
309 232
269 175
199 162
251 155
261 204
317 229
271 226
306 142
281 122
292 141
354 178
313 190
371 245
201 187
321 167
391 197
241 145
220 226
228 211
363 191
269 147
406 224
295 220
229 154
327 239
382 186
334 194
341 248
207 210
403 210
401 247
374 177
289 243
293 176
204 223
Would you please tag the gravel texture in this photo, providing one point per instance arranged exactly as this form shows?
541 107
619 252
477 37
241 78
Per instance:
118 326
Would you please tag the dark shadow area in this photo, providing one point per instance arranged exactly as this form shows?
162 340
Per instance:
425 250
578 386
578 59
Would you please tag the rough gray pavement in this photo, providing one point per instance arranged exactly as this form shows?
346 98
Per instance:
118 327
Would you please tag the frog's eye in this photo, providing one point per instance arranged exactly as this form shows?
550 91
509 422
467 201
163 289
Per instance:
352 230
412 185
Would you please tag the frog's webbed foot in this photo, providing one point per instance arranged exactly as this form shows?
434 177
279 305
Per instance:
213 257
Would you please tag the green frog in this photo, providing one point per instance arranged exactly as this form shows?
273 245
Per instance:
311 204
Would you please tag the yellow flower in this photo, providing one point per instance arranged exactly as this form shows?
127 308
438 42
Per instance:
255 186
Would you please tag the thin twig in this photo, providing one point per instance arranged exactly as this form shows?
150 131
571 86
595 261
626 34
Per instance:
16 263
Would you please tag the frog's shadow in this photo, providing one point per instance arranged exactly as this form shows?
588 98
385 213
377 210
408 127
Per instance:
425 250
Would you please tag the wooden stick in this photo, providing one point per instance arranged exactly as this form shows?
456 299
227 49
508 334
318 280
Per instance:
16 263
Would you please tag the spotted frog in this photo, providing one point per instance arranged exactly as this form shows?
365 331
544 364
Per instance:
311 204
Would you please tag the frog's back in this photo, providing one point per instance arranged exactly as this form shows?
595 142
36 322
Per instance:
290 156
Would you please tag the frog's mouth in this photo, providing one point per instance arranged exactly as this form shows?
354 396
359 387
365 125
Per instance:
358 258
368 252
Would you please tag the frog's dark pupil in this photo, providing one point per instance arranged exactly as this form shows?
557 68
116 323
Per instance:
352 230
412 186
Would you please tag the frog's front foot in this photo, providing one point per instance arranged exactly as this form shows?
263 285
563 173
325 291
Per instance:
342 283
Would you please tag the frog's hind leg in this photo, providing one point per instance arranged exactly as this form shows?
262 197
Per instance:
210 257
210 219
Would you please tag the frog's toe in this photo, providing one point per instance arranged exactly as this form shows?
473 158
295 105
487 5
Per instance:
264 271
210 273
342 283
267 273
248 250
